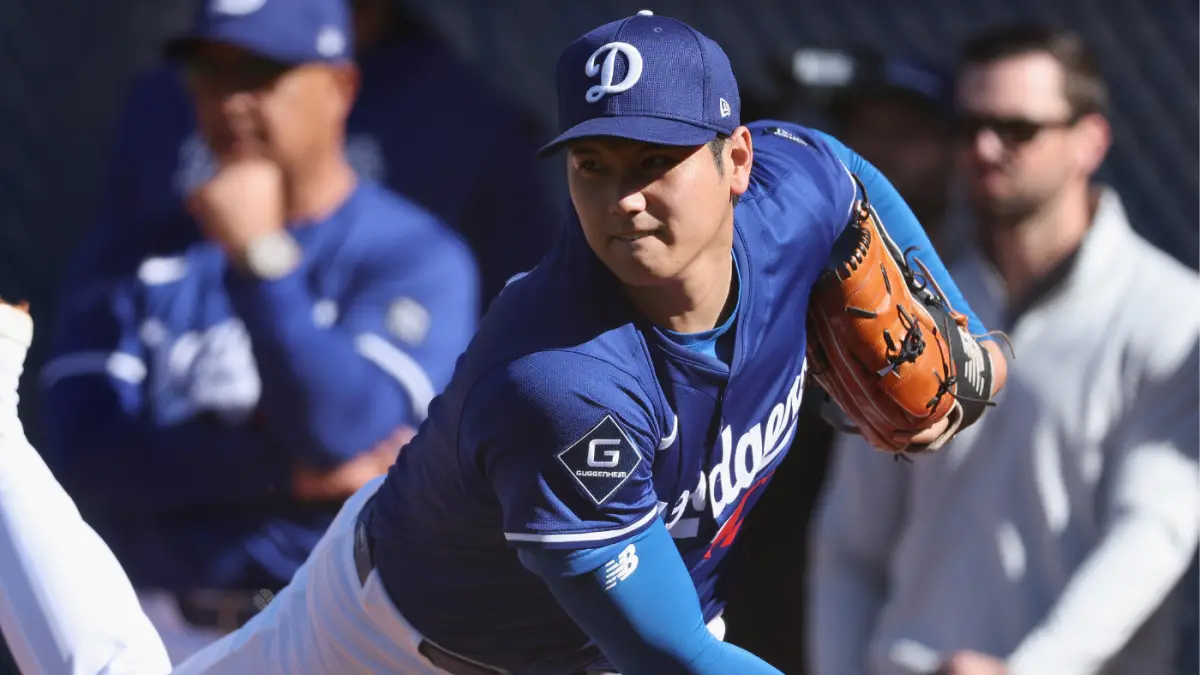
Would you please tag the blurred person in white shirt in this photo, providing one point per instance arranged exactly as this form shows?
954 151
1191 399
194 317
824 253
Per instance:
1048 539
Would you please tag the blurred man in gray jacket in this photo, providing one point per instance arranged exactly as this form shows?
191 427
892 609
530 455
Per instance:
1047 539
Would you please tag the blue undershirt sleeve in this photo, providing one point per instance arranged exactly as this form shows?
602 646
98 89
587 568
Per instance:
636 600
902 225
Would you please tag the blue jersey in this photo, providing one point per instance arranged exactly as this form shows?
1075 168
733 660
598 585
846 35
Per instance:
180 395
416 99
572 423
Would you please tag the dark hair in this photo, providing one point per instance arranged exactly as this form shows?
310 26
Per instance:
717 147
1084 87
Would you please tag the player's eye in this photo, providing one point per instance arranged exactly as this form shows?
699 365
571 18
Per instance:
659 163
588 166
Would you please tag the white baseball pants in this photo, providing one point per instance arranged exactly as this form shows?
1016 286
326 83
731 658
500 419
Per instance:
325 621
66 606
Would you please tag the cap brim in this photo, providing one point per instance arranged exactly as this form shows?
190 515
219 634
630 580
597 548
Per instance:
635 128
180 49
845 101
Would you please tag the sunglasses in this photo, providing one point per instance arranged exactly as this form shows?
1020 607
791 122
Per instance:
1011 131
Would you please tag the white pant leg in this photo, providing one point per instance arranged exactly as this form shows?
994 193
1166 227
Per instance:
181 638
66 606
324 621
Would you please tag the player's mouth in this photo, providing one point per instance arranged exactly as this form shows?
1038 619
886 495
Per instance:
635 236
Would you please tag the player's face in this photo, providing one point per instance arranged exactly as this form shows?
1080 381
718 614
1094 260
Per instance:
250 105
910 144
1019 144
649 211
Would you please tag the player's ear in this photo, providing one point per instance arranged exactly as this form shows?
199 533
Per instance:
1092 138
739 157
346 81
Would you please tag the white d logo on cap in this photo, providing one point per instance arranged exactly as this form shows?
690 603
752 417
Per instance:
237 7
606 70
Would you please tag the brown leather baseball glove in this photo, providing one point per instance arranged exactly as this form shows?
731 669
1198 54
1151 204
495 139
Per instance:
887 347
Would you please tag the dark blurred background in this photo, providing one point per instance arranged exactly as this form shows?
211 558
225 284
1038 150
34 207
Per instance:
65 67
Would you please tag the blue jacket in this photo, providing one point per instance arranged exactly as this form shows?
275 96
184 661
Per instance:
182 392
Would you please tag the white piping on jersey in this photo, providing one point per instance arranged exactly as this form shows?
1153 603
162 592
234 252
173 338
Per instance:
603 535
853 188
118 365
401 366
131 369
670 438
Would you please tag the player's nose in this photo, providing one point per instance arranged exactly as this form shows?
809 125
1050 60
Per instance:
987 146
629 203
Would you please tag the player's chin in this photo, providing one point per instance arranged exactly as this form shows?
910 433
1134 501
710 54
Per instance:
644 262
634 272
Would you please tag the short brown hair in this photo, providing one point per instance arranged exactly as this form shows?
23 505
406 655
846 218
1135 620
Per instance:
1084 87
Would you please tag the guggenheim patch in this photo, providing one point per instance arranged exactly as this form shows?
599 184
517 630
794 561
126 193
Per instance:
602 460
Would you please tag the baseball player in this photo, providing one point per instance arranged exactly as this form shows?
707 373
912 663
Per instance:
570 503
409 79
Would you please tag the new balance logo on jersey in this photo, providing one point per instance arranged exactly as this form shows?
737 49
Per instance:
620 568
602 460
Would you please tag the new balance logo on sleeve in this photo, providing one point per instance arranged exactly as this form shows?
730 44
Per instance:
973 369
620 568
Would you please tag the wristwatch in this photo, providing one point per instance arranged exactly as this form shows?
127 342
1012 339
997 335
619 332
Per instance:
272 256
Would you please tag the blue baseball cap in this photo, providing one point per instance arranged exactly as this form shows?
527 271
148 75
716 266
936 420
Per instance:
646 78
872 75
288 31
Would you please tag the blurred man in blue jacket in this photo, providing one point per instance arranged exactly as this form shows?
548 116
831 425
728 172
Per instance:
225 378
424 125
